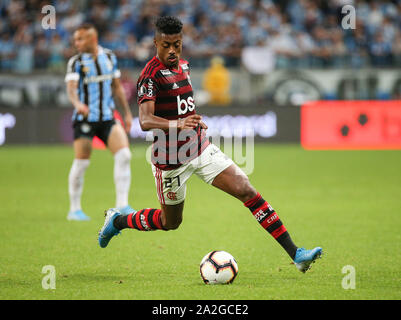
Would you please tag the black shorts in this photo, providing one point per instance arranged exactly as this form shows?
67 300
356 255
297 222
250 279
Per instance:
90 129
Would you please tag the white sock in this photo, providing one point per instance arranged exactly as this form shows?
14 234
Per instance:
122 176
76 182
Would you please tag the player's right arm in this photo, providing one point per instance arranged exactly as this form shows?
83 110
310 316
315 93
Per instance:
72 78
72 93
147 92
148 120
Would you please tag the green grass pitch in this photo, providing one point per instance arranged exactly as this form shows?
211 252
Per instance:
348 202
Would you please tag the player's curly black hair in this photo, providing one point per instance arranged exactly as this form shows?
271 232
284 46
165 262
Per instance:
168 25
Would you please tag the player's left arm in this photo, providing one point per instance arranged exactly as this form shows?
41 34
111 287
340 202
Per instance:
119 93
119 96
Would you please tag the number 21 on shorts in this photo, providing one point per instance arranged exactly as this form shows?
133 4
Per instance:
168 182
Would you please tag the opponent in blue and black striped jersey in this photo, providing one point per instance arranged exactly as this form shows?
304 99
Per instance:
94 76
171 90
92 81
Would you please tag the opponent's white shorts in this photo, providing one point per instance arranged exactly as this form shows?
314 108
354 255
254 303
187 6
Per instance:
171 185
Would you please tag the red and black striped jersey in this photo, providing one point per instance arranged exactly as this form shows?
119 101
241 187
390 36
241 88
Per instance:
172 92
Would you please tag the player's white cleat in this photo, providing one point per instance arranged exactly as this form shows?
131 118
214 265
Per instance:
304 258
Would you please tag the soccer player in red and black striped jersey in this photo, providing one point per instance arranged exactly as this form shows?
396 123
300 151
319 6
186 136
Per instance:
165 95
181 149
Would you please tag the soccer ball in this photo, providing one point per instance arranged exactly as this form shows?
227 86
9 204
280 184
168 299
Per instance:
218 267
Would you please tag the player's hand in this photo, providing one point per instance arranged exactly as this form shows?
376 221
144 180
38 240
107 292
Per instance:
203 125
128 122
190 122
82 108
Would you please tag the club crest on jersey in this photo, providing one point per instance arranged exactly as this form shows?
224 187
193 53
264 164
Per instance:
185 105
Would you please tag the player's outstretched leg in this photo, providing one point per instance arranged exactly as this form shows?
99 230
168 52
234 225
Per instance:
143 220
269 220
233 181
169 217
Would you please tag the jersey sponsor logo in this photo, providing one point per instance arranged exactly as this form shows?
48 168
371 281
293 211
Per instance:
185 106
150 88
165 72
86 63
175 86
146 88
100 78
142 91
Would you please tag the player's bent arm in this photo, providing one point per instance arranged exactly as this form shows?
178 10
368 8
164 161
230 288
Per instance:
149 121
72 94
72 86
119 95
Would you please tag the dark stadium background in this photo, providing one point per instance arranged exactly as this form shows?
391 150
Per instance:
278 54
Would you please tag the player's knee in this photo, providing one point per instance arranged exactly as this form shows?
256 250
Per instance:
79 166
123 155
246 192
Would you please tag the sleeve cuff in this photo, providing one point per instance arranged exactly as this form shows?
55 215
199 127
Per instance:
71 76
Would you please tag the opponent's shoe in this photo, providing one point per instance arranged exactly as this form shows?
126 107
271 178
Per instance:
304 258
108 230
126 210
77 215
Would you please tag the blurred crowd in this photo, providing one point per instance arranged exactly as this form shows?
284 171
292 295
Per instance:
302 33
